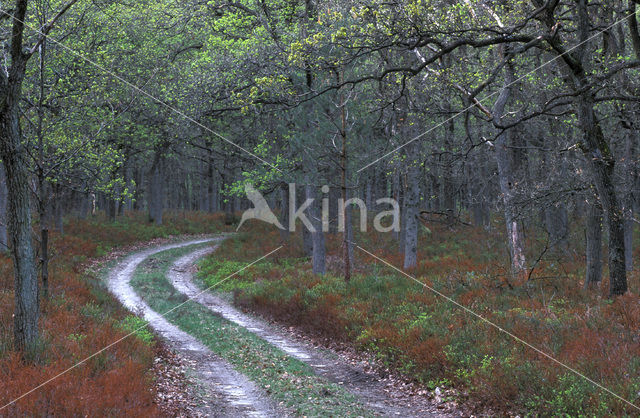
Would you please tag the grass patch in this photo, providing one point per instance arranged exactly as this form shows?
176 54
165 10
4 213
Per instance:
286 379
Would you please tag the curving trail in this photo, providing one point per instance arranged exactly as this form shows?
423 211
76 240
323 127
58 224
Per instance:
367 387
227 392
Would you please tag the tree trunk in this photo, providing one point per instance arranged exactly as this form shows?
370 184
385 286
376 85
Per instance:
12 152
368 192
628 244
410 224
343 175
284 212
507 180
514 229
155 192
44 261
138 192
307 242
594 246
477 199
4 238
211 186
317 236
112 208
596 148
126 175
556 221
602 164
629 174
448 184
334 195
84 205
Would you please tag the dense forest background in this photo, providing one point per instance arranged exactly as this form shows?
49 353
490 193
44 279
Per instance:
515 116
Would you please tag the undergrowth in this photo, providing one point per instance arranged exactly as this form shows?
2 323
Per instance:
81 318
410 328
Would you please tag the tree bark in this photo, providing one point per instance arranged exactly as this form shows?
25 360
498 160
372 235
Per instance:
507 180
14 156
25 279
602 164
4 238
629 174
594 246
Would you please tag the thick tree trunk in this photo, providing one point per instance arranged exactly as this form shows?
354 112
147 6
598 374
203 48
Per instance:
602 164
4 238
12 152
347 257
630 172
594 246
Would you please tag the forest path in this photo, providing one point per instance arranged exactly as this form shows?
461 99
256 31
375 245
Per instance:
226 391
380 397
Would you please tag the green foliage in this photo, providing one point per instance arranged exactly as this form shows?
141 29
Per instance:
230 275
137 326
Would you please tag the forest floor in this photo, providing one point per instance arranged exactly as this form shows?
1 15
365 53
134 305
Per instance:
413 346
420 336
71 372
282 374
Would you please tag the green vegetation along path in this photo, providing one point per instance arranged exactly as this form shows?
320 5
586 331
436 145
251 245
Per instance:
256 369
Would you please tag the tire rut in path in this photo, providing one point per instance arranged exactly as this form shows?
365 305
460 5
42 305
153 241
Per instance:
366 386
227 393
